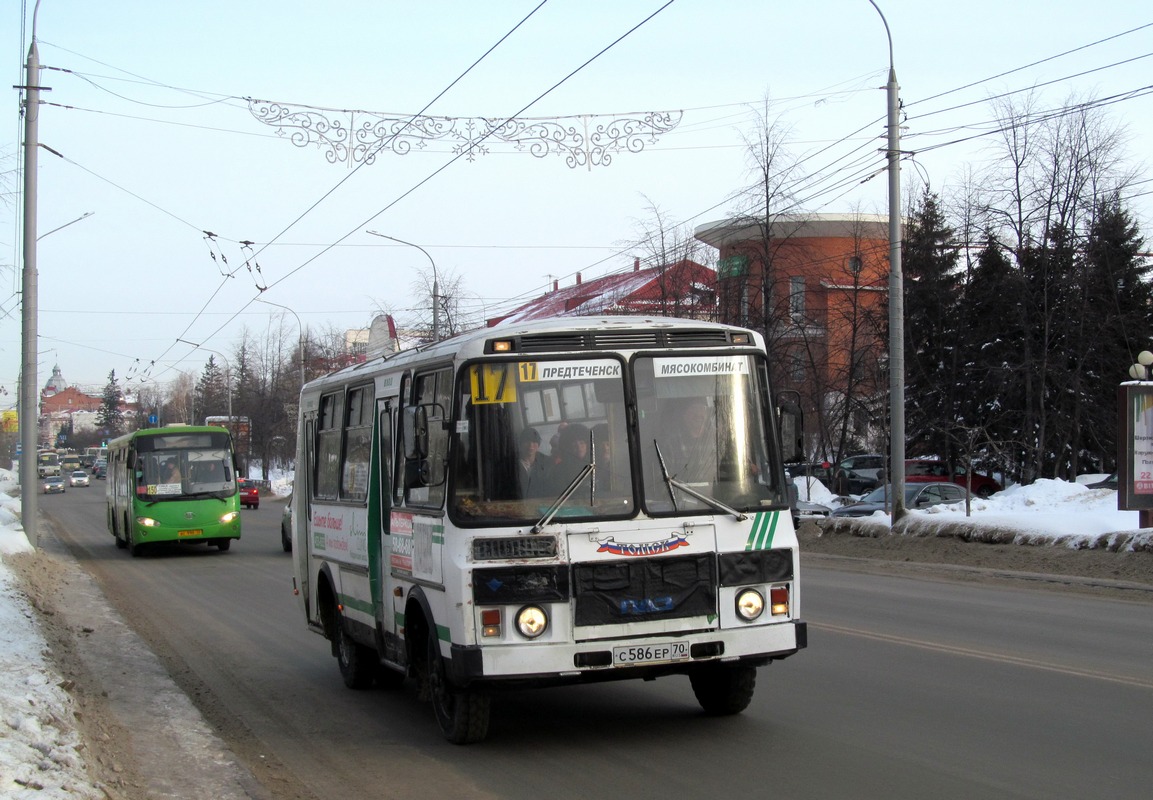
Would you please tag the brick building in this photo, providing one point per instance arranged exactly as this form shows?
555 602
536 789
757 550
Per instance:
817 286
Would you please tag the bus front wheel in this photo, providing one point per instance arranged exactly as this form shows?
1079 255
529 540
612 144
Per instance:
462 714
357 663
724 689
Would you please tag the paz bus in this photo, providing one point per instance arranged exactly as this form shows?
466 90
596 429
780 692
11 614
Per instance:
172 484
656 539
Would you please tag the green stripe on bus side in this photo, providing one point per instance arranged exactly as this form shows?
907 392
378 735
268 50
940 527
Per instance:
763 529
363 606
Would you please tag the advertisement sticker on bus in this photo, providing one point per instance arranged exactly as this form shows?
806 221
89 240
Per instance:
341 532
413 541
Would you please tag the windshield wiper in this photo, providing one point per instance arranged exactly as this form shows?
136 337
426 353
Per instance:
585 471
673 483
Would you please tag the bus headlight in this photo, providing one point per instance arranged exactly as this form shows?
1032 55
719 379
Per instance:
750 604
531 621
227 518
147 522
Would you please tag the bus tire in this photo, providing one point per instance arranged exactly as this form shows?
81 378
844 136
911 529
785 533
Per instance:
462 714
120 543
223 544
357 663
136 550
724 689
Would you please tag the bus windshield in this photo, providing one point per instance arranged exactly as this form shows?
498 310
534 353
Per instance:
550 439
704 440
178 473
528 432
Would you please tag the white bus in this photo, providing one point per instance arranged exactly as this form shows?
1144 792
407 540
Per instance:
653 538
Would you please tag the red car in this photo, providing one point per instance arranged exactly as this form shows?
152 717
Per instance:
924 470
249 494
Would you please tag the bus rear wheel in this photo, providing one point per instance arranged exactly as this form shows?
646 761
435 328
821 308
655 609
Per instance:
724 689
462 714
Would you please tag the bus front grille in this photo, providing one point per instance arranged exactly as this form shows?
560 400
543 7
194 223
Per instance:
644 589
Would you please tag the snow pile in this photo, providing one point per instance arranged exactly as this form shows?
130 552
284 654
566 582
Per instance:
41 754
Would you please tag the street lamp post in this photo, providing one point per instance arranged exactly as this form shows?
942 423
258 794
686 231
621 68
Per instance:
29 414
896 291
299 327
435 282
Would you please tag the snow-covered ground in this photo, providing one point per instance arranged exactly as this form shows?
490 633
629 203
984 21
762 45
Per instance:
40 750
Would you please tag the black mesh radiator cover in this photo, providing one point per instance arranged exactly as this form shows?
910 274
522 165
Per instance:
639 590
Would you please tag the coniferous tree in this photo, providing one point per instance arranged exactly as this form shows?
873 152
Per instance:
1118 309
109 416
212 392
929 259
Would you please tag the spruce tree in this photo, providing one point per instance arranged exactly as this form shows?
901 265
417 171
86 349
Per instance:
110 417
929 259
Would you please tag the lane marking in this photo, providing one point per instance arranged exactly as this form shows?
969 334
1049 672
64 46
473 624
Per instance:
985 655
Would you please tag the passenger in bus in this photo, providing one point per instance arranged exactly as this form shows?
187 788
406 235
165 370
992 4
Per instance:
532 472
572 454
171 472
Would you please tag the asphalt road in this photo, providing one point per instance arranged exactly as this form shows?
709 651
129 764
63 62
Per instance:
910 688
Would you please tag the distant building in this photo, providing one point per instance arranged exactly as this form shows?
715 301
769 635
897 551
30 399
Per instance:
817 286
683 289
64 407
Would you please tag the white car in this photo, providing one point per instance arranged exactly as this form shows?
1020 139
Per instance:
78 478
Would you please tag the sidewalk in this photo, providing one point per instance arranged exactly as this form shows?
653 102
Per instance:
143 737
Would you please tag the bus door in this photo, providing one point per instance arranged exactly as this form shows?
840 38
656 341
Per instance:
302 514
387 603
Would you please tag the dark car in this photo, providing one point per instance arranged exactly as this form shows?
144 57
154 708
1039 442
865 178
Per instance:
928 470
249 493
1108 483
859 474
286 526
917 495
822 472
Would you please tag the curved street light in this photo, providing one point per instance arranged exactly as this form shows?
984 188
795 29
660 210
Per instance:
299 327
435 282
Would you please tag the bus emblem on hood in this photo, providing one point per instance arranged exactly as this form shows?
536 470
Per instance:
608 544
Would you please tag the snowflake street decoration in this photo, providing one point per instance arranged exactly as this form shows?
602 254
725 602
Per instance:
355 137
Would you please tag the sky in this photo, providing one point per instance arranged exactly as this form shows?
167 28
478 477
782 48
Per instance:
36 746
152 140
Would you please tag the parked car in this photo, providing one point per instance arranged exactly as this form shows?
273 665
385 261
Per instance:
99 465
53 484
100 471
286 526
929 470
1108 483
917 495
821 471
249 493
78 478
859 474
805 509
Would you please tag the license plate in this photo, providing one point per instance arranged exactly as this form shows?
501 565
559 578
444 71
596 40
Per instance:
650 653
190 533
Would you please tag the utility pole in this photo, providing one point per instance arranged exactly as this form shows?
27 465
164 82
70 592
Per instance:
896 292
29 407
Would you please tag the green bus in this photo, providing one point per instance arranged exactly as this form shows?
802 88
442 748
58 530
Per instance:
173 484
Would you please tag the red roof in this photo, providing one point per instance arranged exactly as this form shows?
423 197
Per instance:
682 289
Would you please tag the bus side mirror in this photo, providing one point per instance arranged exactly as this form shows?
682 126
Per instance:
416 432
